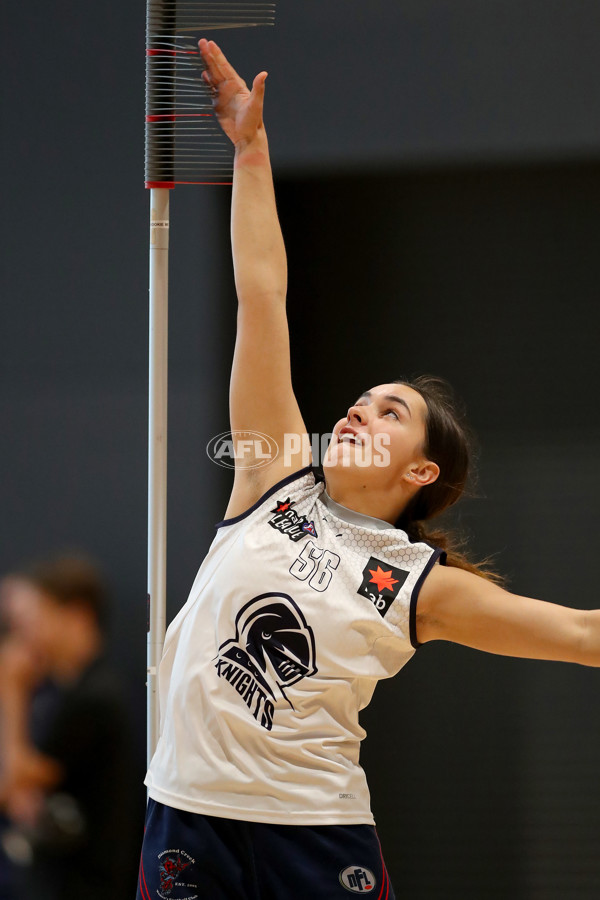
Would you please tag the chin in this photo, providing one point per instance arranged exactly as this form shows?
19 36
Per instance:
341 471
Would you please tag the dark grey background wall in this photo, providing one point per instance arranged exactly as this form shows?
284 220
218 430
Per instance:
481 266
483 767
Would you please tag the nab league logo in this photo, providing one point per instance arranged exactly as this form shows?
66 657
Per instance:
273 648
171 864
381 583
357 879
289 522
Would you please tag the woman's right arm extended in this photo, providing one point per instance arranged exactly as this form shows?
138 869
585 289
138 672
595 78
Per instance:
261 393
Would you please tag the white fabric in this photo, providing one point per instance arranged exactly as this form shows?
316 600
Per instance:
267 665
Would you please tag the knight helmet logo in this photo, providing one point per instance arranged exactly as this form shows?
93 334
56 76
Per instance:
273 642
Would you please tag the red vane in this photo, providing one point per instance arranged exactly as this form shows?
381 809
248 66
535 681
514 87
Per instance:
153 52
171 184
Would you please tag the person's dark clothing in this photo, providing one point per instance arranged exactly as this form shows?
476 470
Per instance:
86 843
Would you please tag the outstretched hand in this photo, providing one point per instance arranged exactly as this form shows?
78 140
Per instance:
238 109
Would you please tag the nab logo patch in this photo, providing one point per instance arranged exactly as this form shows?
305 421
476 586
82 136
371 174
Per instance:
381 583
357 879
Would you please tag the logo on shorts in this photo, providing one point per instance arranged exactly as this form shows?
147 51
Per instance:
171 864
381 583
289 522
357 879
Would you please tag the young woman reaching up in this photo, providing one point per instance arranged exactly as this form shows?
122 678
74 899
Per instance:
309 594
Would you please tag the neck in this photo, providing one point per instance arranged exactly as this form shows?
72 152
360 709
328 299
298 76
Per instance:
378 505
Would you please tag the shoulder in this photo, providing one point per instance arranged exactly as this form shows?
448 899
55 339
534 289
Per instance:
296 484
446 582
448 591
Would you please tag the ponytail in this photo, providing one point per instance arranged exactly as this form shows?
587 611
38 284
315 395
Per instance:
448 443
452 544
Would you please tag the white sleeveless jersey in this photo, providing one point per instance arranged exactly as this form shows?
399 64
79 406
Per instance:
298 609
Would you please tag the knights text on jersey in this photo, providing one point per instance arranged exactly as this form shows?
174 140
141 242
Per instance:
298 609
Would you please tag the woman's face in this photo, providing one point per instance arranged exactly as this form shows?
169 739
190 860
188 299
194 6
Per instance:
381 439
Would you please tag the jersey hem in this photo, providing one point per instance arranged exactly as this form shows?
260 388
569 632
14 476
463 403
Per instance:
273 490
288 817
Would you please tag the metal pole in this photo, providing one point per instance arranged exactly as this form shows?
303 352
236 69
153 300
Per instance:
157 452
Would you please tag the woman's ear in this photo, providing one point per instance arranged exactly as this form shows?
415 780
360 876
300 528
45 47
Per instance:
424 474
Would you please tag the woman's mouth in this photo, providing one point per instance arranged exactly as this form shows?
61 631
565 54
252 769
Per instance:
349 437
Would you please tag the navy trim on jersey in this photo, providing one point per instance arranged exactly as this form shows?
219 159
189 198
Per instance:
412 618
289 478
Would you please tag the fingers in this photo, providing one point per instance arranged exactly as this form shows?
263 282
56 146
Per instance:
258 85
218 66
208 81
222 69
220 75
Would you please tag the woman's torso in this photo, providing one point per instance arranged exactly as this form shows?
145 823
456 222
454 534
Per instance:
298 609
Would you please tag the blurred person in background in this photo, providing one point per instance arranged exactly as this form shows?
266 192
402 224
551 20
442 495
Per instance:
24 772
67 770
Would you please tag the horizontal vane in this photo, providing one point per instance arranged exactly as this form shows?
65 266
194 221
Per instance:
184 142
190 16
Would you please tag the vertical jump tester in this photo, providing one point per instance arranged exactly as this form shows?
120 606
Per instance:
184 145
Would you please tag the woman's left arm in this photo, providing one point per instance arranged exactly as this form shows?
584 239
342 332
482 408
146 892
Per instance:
458 606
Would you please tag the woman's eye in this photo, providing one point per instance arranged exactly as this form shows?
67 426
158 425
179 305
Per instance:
393 412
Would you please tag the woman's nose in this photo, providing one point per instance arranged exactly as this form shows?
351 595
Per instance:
357 414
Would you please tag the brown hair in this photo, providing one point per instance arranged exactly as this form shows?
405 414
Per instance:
71 580
449 443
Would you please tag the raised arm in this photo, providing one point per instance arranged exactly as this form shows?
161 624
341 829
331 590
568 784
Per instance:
261 394
458 606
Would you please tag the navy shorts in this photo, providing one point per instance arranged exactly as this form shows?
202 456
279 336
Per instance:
186 856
